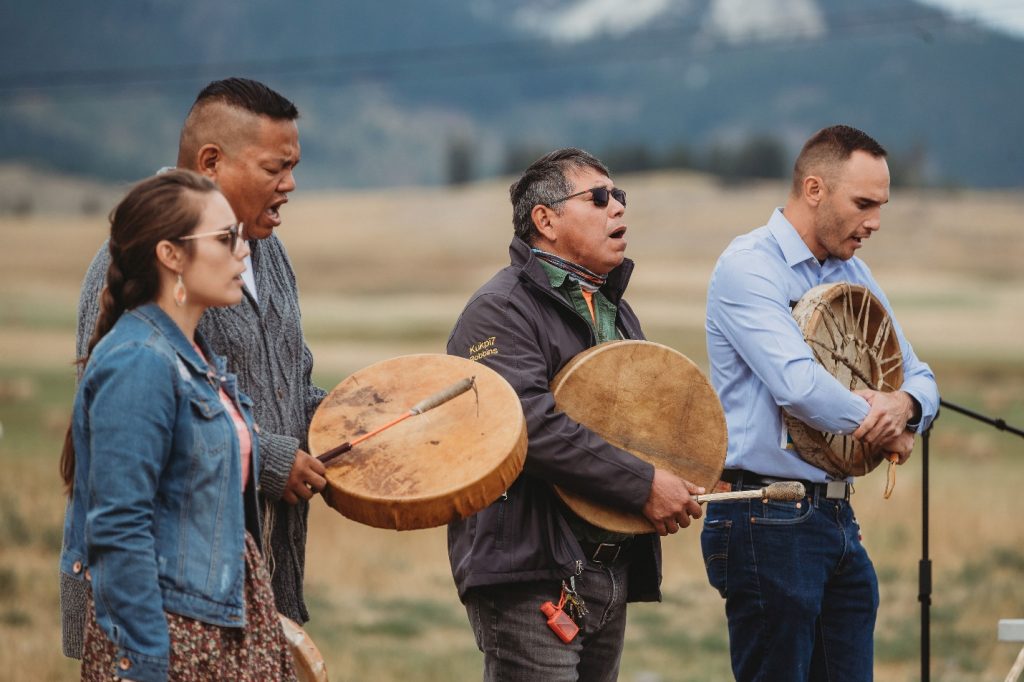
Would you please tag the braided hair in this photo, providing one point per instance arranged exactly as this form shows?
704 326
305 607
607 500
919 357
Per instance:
164 206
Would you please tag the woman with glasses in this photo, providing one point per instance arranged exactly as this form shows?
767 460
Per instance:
161 457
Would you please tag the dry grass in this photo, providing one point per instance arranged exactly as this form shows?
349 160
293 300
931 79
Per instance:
385 273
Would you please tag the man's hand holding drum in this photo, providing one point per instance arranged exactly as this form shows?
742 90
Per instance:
887 418
306 478
670 506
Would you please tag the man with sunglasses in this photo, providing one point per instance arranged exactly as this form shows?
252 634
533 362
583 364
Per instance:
243 135
800 590
561 294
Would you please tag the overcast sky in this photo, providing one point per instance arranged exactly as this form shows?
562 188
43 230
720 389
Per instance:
1005 14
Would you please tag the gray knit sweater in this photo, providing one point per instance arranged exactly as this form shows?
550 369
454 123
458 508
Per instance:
264 346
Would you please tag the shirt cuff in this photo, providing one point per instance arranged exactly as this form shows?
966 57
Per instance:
74 602
277 456
914 423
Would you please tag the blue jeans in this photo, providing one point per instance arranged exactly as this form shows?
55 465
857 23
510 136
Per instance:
800 591
518 646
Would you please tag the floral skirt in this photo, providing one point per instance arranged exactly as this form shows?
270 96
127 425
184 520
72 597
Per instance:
200 651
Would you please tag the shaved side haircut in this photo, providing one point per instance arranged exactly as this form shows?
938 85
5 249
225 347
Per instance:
225 112
827 149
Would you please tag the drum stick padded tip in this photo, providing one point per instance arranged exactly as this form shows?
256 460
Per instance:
443 396
785 491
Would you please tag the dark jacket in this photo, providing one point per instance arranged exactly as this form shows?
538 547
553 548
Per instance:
523 535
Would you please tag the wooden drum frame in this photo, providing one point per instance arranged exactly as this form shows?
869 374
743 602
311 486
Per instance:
309 662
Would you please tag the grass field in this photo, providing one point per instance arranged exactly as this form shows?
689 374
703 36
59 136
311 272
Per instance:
386 273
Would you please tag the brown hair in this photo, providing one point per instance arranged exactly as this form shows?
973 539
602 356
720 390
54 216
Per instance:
828 148
162 207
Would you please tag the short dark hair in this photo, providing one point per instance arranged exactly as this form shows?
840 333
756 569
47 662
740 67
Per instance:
544 181
830 147
210 118
250 95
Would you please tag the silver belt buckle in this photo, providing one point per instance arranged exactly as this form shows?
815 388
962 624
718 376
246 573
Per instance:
835 490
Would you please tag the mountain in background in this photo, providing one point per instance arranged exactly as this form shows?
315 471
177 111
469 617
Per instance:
430 91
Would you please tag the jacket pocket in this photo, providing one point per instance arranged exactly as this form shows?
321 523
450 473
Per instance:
714 544
205 407
212 426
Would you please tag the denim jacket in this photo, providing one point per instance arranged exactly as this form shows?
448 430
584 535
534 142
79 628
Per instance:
156 521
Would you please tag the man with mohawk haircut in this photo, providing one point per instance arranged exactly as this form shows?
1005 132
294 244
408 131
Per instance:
243 135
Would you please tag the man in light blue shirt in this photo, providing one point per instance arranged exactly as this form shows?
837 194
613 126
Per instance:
801 593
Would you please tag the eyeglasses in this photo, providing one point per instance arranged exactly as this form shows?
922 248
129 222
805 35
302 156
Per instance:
228 235
599 194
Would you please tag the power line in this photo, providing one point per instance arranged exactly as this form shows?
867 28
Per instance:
469 60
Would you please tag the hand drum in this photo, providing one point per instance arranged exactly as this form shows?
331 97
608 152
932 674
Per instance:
446 463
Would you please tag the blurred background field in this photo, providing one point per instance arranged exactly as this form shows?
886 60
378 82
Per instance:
386 272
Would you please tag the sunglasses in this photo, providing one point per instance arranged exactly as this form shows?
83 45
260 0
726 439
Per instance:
229 235
599 194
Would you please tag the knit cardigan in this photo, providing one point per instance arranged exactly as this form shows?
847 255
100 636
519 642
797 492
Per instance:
265 348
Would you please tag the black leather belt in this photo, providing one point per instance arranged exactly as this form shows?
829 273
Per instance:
747 480
606 552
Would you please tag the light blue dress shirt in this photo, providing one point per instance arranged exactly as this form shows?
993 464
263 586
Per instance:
760 364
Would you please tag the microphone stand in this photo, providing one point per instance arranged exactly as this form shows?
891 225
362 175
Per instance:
924 567
998 423
924 578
